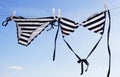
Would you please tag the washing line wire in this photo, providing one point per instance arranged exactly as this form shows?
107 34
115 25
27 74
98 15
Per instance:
111 9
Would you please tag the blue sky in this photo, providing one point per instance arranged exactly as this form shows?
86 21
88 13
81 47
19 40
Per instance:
36 59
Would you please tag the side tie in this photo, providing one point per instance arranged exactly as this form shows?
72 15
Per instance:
6 21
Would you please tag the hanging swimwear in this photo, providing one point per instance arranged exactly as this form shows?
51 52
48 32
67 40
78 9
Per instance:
29 28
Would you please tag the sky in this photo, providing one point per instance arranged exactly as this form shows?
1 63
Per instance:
35 60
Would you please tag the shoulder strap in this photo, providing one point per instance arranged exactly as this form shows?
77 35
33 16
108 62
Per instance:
108 46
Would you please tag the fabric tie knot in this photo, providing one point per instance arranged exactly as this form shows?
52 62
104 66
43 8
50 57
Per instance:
82 67
6 21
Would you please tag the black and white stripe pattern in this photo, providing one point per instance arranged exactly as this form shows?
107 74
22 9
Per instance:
67 26
96 22
29 28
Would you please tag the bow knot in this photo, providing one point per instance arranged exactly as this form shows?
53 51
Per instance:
82 67
6 21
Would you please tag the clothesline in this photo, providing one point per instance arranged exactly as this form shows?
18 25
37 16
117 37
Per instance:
115 8
111 9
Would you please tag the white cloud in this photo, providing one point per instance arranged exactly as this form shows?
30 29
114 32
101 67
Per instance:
2 74
19 68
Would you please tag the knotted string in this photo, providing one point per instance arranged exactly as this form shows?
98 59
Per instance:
79 59
6 21
82 67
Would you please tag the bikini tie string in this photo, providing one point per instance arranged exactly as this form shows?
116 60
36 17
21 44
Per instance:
82 67
6 21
